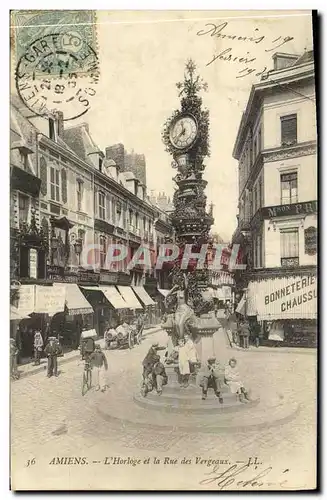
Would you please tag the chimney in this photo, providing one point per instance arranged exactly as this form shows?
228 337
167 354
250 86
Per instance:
60 123
282 60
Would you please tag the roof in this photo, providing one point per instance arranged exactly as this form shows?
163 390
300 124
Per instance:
305 58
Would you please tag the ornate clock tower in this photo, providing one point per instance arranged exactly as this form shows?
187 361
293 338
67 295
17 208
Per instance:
186 137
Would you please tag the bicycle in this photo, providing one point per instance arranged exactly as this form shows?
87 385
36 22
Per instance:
87 377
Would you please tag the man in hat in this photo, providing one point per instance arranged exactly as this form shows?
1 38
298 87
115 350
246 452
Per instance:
38 346
99 366
210 378
52 350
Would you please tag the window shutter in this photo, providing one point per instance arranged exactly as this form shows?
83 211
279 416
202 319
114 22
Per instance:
64 185
113 207
43 176
108 211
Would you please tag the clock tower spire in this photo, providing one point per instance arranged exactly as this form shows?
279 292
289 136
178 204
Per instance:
186 137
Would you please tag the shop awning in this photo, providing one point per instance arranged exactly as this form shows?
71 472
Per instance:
26 301
163 291
129 297
289 297
241 306
16 315
49 299
143 295
113 296
75 301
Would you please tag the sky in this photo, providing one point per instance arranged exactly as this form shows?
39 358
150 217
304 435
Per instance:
142 56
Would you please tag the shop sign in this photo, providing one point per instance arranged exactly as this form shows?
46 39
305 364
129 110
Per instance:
309 207
60 275
310 240
50 299
109 278
283 298
26 299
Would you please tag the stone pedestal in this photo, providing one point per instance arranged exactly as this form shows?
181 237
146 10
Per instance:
207 348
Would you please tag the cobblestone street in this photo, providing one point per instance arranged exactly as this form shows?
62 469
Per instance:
50 418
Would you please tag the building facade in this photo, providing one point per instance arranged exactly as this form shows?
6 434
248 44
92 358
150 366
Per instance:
70 202
276 147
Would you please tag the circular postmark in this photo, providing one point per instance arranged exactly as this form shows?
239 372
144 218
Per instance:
58 72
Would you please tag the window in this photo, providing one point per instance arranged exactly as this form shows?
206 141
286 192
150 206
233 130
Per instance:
136 220
119 214
23 160
288 130
289 247
288 188
102 205
100 163
23 205
79 187
54 184
130 216
257 250
103 251
144 224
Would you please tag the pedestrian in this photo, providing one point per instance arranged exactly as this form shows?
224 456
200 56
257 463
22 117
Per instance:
38 346
245 334
234 381
99 366
159 375
150 359
183 363
210 379
53 350
13 359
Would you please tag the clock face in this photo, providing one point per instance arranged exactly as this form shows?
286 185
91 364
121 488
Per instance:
183 132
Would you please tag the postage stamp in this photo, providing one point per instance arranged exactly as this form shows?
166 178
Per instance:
77 29
57 73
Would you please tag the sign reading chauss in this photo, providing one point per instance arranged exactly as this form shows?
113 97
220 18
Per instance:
284 298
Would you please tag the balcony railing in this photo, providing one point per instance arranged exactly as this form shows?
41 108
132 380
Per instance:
289 262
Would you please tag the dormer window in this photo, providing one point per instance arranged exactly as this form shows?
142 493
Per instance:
100 163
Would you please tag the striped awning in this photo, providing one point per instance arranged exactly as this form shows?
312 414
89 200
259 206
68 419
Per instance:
129 297
143 295
113 296
75 301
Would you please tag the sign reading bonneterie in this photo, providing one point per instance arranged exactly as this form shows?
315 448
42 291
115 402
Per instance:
284 298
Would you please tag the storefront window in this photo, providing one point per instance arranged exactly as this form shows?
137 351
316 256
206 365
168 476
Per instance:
289 248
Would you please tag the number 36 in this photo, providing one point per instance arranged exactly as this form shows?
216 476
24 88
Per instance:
30 462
